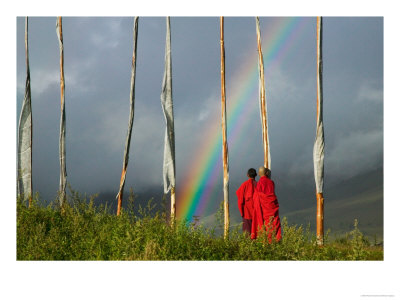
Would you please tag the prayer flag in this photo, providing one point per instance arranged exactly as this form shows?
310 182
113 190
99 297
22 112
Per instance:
24 182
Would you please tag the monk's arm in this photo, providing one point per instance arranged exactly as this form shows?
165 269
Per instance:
240 195
273 187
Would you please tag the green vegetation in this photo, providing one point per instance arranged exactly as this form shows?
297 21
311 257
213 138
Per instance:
83 231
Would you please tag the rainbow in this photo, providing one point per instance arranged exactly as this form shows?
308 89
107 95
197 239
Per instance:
201 179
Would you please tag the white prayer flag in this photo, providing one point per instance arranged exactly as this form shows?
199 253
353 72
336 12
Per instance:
24 182
167 105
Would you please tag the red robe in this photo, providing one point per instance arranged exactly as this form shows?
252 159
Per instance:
265 207
245 198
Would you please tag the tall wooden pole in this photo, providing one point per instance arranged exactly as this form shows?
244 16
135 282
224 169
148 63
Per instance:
63 172
29 88
173 206
263 109
320 219
224 138
319 145
171 125
131 116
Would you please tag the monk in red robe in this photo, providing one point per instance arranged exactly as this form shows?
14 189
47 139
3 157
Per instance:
245 199
266 207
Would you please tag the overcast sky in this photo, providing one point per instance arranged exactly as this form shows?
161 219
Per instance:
97 73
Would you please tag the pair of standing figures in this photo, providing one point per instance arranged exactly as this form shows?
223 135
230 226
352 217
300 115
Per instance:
258 205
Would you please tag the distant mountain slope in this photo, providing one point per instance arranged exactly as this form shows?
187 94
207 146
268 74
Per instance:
366 207
141 198
360 197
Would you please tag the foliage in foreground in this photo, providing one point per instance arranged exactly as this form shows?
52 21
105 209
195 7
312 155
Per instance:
82 231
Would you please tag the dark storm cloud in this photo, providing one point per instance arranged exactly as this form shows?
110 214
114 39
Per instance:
97 70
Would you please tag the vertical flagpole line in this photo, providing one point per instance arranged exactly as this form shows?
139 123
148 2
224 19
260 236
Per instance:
24 180
173 205
169 140
319 145
63 172
131 116
28 72
224 129
263 108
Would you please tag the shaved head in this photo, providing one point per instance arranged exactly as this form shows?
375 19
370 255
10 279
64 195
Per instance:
263 171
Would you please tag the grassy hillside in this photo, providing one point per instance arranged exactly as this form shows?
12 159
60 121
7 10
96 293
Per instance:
83 231
360 197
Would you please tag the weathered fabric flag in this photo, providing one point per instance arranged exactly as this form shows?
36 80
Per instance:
263 104
24 182
319 144
131 115
167 106
63 172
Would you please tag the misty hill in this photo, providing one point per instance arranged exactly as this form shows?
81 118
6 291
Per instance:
141 198
360 197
